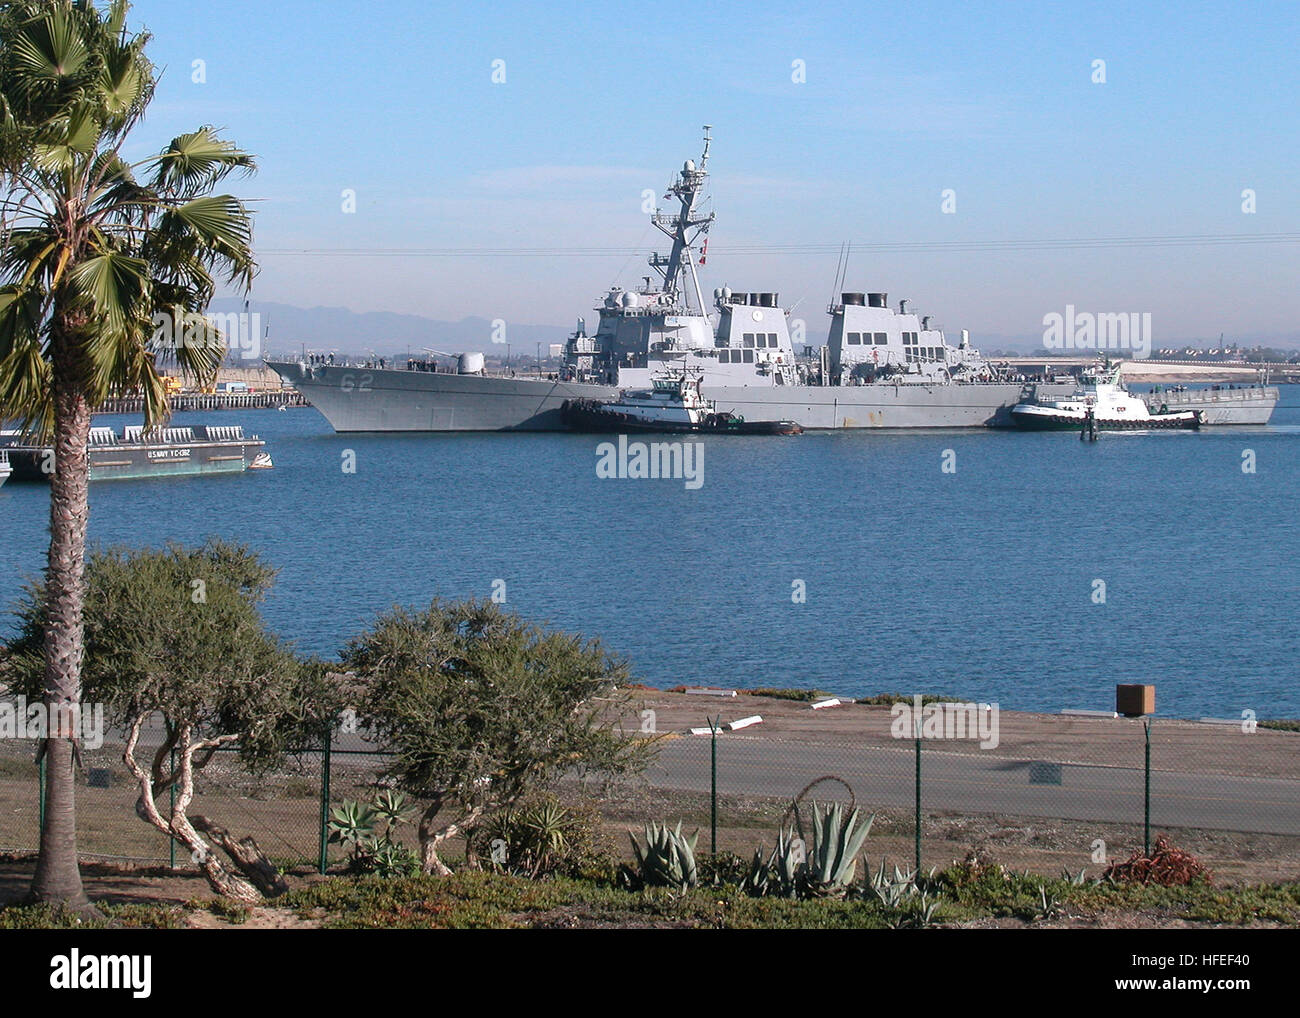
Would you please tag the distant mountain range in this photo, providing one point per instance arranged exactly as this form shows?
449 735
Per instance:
289 329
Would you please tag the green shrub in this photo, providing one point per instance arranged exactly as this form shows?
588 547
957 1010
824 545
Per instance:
539 838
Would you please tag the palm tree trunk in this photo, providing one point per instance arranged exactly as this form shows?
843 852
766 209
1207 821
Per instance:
58 878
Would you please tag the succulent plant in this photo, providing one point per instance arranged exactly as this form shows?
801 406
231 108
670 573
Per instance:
668 858
826 871
779 875
837 842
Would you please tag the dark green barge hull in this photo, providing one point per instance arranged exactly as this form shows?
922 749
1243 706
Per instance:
182 452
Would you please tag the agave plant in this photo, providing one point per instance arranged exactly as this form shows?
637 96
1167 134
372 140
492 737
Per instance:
779 875
393 807
366 831
837 842
668 858
917 914
352 824
825 871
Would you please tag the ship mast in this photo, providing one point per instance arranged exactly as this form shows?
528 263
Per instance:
685 228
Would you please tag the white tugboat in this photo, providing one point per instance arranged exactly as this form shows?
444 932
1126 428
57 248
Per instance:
1101 404
673 403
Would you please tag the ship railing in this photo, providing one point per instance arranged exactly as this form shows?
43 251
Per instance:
138 433
223 432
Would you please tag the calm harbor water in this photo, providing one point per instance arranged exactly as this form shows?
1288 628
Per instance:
978 584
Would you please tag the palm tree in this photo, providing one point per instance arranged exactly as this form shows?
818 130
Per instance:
106 270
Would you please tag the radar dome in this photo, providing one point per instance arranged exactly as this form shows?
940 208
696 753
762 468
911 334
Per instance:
689 167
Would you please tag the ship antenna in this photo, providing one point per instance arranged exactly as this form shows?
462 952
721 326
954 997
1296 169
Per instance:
704 159
835 279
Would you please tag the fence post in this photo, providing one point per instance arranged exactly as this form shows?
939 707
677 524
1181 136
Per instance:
918 798
325 801
171 792
40 796
1146 798
713 785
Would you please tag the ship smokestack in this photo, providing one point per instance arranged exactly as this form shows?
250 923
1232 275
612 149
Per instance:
878 300
854 299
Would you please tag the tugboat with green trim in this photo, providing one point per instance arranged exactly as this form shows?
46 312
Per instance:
1100 404
672 404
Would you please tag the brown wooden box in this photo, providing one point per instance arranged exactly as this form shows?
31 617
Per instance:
1133 701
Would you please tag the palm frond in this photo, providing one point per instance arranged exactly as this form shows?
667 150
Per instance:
196 162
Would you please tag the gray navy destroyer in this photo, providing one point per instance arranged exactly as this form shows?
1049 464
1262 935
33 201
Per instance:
881 367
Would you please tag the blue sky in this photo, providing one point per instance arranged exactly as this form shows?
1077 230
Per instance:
995 101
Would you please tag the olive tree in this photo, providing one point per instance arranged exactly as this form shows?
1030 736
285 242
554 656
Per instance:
481 708
177 633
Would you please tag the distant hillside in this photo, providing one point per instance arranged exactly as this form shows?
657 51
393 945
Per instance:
337 330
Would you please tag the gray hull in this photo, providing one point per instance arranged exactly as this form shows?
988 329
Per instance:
401 400
372 399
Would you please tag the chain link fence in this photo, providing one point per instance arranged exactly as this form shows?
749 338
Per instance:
1053 794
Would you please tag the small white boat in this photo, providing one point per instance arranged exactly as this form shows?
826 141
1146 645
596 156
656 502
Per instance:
5 468
1100 404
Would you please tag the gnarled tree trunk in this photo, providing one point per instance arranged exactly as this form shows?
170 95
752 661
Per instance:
178 825
246 855
431 836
